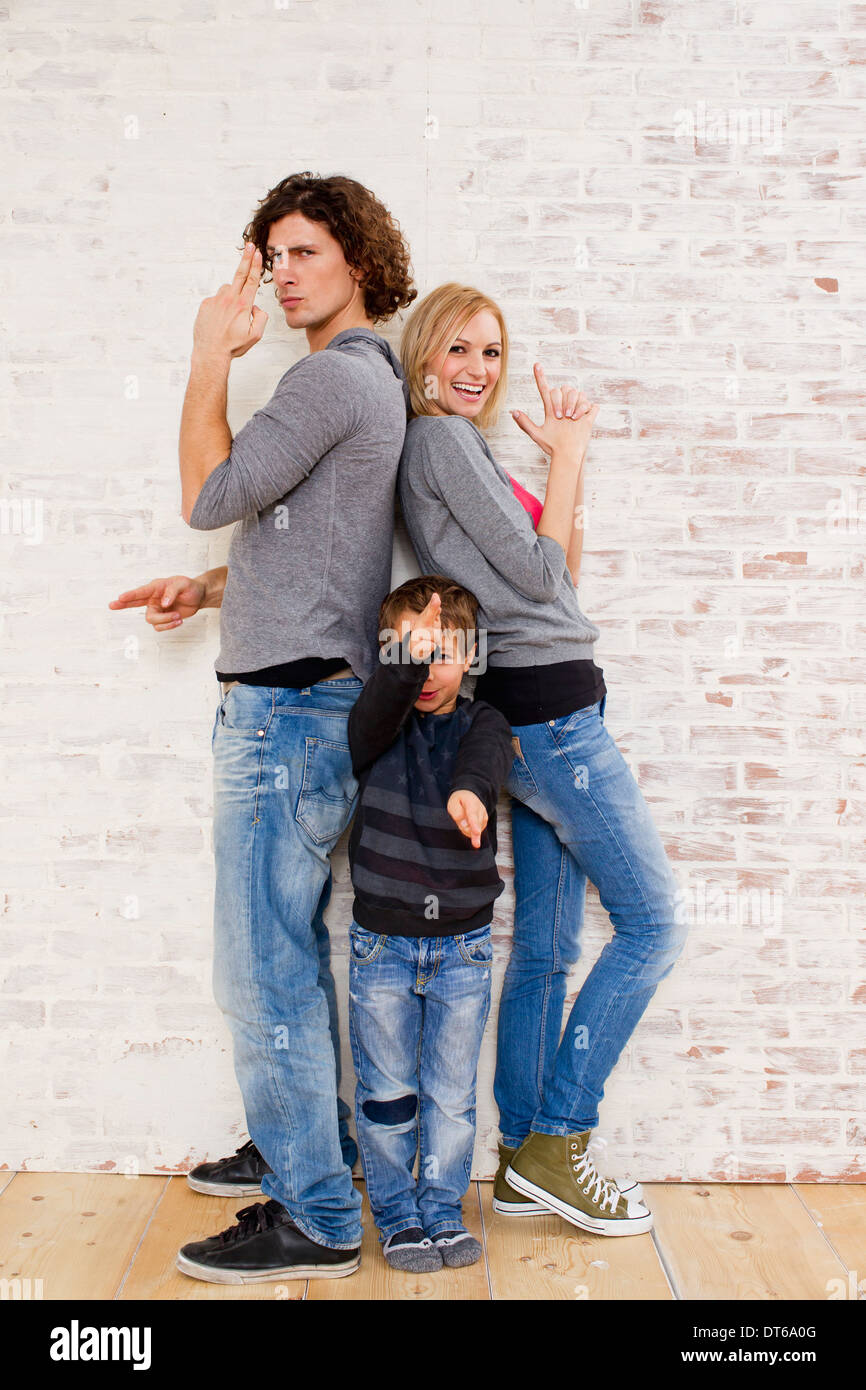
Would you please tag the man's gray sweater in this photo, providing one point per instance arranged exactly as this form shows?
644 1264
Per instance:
311 481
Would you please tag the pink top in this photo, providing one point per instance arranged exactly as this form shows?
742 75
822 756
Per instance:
532 504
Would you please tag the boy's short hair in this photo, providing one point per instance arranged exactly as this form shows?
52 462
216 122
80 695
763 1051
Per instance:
459 606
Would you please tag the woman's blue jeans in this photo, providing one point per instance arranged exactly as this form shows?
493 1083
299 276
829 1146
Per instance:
577 814
284 792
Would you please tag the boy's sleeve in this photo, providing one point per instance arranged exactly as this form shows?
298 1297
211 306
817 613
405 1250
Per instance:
484 756
461 474
383 705
312 409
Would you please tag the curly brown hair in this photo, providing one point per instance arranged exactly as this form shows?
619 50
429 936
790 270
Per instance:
369 236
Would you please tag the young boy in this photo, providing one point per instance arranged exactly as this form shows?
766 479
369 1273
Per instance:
430 764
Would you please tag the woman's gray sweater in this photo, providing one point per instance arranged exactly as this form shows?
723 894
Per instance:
465 522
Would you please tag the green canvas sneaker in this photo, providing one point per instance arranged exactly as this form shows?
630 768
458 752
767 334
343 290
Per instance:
512 1203
556 1169
505 1199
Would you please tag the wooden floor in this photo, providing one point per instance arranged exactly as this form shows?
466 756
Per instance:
105 1236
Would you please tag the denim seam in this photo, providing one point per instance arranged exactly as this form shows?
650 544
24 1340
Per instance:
312 1232
557 923
374 952
368 1163
420 1126
523 770
391 1228
633 972
614 840
251 973
299 1219
422 982
634 969
468 958
368 1158
262 762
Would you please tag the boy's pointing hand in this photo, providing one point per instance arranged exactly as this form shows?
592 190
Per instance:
469 814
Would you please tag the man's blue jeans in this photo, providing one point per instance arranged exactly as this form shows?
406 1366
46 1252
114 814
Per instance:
284 792
577 814
417 1010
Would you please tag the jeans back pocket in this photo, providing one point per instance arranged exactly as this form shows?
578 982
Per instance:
328 790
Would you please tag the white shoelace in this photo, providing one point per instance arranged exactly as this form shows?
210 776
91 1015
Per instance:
603 1191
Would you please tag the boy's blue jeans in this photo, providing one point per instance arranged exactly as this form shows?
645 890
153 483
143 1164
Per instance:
417 1010
284 792
577 813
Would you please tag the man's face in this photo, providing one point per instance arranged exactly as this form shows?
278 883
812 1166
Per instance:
467 372
440 690
311 277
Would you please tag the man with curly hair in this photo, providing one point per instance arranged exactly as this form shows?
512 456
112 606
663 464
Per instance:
310 481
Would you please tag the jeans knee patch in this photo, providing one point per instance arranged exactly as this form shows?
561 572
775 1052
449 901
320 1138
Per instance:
391 1112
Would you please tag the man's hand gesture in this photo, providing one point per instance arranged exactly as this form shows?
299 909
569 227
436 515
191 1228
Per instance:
230 322
168 601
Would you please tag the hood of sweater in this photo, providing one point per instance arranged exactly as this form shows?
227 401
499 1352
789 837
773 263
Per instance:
348 340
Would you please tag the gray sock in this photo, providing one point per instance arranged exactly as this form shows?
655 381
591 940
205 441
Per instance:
458 1248
413 1251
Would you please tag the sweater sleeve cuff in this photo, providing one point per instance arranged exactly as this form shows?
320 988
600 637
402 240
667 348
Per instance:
405 667
479 785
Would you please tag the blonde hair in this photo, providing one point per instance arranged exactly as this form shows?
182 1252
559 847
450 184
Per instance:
431 329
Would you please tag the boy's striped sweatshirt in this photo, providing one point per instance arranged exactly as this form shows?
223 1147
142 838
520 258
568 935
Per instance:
414 873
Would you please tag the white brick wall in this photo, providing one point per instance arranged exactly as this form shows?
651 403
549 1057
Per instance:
669 198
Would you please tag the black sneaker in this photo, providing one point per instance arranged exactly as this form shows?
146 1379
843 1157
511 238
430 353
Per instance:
265 1244
238 1176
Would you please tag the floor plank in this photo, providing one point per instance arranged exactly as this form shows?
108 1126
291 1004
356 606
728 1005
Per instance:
377 1280
182 1216
77 1232
839 1210
545 1257
101 1235
740 1241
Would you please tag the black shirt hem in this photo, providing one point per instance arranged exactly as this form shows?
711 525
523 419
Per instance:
400 922
536 694
294 674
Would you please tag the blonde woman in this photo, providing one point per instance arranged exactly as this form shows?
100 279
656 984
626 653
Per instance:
577 812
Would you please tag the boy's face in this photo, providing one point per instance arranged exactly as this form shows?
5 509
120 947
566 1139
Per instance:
440 690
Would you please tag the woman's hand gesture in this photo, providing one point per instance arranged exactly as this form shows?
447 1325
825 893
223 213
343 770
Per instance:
569 418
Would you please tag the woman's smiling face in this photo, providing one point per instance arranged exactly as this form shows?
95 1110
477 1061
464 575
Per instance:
464 376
